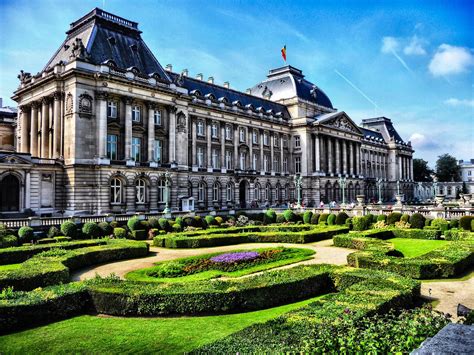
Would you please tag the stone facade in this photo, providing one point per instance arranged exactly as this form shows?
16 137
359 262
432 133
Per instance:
105 121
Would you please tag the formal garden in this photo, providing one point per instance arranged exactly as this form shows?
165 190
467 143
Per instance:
230 284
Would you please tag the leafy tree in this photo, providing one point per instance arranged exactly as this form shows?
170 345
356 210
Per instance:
447 168
421 171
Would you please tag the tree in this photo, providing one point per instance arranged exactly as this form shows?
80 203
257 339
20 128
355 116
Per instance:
421 171
447 169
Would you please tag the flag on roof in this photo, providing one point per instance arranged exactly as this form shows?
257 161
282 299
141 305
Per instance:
283 52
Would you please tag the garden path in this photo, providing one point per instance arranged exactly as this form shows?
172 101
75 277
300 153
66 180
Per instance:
450 293
326 253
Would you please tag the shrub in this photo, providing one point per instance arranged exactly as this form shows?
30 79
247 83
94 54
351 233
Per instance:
53 232
454 223
323 217
465 222
361 223
380 225
371 218
472 225
341 218
188 221
134 224
417 220
381 218
393 217
269 217
69 229
164 224
440 224
120 233
405 218
198 222
289 215
219 220
92 230
307 215
106 229
331 219
153 222
348 223
139 234
402 224
280 218
428 222
8 241
242 221
26 234
210 220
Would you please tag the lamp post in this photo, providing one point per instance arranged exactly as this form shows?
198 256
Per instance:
298 184
342 182
435 185
398 187
379 186
167 177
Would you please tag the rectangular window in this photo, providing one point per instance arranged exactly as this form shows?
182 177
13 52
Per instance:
200 157
228 159
285 165
158 150
254 137
214 130
112 146
254 161
276 164
265 139
242 135
157 117
228 133
215 159
136 113
297 142
111 109
265 163
276 140
243 157
297 165
285 142
200 128
136 148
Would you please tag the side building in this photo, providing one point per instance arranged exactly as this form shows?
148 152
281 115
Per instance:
104 128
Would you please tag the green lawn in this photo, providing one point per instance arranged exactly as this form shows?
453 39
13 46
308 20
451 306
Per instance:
416 247
91 334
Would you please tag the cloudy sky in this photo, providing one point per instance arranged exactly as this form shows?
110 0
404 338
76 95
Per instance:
410 61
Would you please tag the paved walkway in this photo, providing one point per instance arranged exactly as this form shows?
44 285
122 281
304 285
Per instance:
326 253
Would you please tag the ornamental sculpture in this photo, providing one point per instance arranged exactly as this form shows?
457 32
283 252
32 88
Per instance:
78 50
23 76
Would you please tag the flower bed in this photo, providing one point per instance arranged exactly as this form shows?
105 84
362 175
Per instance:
229 264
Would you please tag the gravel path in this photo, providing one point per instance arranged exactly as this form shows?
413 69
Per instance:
326 253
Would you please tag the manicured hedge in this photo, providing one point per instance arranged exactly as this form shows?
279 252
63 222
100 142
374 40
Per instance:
373 233
458 234
8 241
52 267
465 223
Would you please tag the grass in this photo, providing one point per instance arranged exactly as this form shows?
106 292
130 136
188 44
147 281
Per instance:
415 247
294 255
107 335
9 267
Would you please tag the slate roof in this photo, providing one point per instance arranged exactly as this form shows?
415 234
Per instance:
387 125
204 88
287 82
372 135
110 37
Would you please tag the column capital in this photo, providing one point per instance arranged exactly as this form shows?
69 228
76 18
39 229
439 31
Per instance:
101 95
151 105
45 100
173 109
128 100
35 104
58 95
24 108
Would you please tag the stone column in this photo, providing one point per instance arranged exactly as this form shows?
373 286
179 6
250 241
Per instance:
34 129
209 144
194 142
351 158
57 126
28 190
223 166
322 149
344 157
153 196
411 169
128 128
399 161
130 195
101 117
261 152
250 141
317 154
330 165
236 147
272 168
25 126
50 128
151 131
338 156
282 155
172 134
45 127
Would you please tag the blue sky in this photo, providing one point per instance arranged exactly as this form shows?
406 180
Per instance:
410 61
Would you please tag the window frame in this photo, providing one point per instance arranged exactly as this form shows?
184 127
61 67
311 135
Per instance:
111 144
136 113
140 190
116 190
134 150
112 109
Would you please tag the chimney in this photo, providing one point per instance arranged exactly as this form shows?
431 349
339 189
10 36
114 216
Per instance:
199 76
226 84
185 72
169 67
248 91
210 80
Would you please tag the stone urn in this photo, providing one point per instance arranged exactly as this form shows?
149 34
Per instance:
467 200
360 200
399 198
439 199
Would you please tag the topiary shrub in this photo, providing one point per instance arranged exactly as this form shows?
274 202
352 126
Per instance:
371 218
198 222
180 221
106 229
361 223
323 218
280 218
341 218
307 217
177 228
53 232
69 229
331 219
210 220
440 224
417 220
164 224
349 223
219 220
91 229
289 215
381 218
7 241
465 222
188 221
153 222
139 234
120 233
405 218
315 218
472 225
134 224
269 216
454 223
428 222
26 234
394 217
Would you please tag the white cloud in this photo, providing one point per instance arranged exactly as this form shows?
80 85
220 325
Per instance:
420 141
450 60
457 102
415 47
389 44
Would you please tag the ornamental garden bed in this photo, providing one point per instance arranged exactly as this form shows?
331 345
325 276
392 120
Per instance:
224 264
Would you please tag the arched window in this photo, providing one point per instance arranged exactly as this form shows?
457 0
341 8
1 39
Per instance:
268 192
161 191
278 192
216 192
140 186
116 191
256 193
10 193
201 191
230 191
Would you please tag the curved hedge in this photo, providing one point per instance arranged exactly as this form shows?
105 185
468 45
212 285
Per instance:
52 267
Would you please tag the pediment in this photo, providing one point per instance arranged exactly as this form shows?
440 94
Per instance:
341 121
14 159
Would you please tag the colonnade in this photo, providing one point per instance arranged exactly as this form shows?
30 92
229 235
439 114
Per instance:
336 156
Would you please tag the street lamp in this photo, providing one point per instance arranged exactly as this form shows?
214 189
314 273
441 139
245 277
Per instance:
298 184
398 187
342 182
379 185
167 177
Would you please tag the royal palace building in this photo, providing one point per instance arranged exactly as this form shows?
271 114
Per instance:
105 128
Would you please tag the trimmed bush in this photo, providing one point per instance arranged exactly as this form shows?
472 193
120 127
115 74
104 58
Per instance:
465 223
92 230
417 221
323 217
134 224
315 218
219 220
405 218
269 216
440 224
140 234
188 222
361 223
164 224
307 215
69 229
472 225
26 234
289 215
331 219
454 223
53 232
8 241
393 217
381 218
210 220
280 219
120 233
341 218
153 222
105 229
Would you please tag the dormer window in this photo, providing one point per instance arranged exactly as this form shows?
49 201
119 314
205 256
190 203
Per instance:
111 109
112 40
157 117
136 113
134 47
